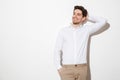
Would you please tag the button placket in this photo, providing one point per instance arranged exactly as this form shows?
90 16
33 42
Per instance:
74 37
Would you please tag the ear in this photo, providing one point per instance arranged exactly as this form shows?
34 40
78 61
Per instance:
83 19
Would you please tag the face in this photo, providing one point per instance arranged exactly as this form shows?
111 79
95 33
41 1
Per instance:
77 17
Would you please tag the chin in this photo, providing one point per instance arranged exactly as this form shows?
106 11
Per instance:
75 23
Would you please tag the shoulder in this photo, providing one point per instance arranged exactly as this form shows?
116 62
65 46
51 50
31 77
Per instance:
63 29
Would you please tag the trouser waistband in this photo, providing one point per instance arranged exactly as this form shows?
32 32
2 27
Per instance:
74 65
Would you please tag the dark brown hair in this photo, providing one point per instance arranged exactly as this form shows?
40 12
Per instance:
84 11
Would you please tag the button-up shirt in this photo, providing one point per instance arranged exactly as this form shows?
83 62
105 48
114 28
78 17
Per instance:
71 44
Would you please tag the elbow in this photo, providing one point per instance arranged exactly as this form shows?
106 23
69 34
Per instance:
104 22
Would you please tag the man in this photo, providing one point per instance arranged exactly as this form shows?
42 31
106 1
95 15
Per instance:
71 45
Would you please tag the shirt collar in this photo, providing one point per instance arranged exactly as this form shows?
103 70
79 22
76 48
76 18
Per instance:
75 27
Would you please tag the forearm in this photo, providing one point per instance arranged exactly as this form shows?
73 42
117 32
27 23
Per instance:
57 60
98 23
96 19
58 50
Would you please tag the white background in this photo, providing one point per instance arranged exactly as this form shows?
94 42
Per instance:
28 30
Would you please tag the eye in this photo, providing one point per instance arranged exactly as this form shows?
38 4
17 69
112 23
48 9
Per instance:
79 14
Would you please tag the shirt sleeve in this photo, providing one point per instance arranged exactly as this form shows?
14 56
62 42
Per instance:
98 23
58 50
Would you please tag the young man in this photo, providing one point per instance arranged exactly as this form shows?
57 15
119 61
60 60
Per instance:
71 45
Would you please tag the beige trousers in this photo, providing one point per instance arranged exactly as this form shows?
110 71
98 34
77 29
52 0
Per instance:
74 72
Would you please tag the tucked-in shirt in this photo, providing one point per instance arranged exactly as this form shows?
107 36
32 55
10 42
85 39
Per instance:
71 44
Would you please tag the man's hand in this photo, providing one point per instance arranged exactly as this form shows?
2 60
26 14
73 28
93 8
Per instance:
59 70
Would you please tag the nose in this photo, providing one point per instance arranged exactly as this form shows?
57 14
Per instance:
74 16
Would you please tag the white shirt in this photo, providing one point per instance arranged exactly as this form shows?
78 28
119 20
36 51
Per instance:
72 42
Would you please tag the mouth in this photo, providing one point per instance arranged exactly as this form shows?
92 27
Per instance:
74 18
